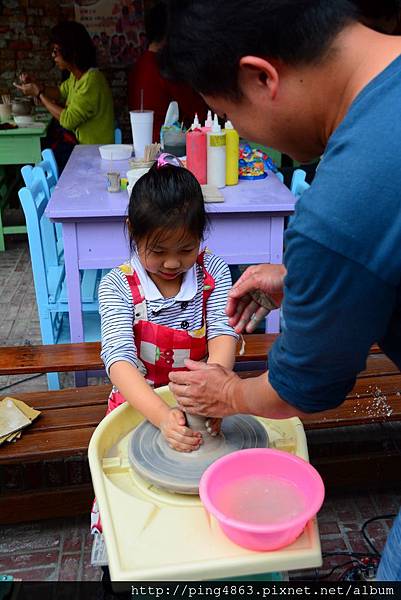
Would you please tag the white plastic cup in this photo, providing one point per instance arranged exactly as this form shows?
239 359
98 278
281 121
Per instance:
142 130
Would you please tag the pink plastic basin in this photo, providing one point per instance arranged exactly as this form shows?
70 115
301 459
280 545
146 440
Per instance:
237 488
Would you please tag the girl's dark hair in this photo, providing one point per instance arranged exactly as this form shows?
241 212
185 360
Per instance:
166 198
206 40
76 46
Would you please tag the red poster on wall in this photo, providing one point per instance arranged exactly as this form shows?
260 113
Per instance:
116 27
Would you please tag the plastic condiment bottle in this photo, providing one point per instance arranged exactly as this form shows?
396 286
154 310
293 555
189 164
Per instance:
196 151
208 123
232 154
216 155
196 124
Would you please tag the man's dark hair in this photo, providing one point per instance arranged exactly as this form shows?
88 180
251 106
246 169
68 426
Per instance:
206 40
376 10
76 46
156 22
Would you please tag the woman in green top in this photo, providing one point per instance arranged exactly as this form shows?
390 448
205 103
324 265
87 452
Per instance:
83 103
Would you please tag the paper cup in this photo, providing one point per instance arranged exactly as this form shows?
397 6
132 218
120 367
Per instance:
140 164
134 174
142 130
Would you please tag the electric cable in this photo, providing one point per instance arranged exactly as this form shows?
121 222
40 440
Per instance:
356 557
365 535
349 562
5 387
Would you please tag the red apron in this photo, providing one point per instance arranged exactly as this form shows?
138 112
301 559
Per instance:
161 349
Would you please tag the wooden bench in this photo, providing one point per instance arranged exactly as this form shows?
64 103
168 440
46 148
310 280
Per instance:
45 474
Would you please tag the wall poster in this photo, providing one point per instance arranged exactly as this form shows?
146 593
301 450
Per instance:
116 27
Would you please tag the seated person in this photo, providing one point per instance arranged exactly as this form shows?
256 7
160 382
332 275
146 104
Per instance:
167 304
83 104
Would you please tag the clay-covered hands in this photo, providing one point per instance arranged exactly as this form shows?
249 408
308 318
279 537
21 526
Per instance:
177 434
27 85
205 389
245 312
28 89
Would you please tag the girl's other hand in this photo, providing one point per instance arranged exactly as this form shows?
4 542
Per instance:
177 434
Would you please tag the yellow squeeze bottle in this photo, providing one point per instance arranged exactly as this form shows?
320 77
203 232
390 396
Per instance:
232 154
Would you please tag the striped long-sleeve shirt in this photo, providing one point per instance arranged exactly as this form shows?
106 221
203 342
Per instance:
117 310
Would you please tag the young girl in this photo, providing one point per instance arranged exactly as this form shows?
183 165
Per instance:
167 304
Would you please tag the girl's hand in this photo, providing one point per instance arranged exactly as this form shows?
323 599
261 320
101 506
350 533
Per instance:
177 434
213 426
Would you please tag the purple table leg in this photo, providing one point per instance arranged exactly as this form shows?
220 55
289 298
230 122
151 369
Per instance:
276 254
74 290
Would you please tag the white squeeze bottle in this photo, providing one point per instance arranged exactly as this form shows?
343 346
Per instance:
216 155
208 123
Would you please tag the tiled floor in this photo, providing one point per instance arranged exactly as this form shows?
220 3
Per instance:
60 549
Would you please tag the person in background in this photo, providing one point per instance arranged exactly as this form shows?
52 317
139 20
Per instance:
383 16
83 104
166 304
158 92
307 77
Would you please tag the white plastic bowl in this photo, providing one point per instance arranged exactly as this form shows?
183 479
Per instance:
116 151
25 120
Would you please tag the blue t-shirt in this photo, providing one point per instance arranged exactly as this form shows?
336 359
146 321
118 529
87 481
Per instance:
343 256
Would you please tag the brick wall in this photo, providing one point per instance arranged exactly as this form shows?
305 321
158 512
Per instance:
24 33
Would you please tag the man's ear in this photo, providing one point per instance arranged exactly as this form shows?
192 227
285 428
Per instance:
258 75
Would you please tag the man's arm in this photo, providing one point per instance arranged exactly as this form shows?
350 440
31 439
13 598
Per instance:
214 391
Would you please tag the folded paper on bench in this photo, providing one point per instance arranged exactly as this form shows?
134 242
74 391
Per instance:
15 415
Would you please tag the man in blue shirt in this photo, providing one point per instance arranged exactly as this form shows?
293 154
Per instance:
304 77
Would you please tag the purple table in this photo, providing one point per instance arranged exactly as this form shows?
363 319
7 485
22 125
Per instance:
245 229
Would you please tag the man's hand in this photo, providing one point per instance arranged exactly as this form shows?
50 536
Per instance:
177 434
244 312
206 389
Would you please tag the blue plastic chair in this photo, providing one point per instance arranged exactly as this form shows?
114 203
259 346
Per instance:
46 179
46 165
48 156
298 183
49 275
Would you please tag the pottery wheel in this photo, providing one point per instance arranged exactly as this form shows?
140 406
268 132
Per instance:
180 472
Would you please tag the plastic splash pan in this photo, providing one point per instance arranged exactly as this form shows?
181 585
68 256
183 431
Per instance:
154 535
262 497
